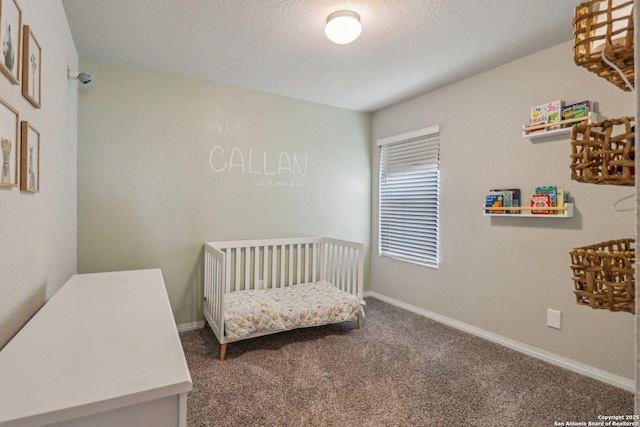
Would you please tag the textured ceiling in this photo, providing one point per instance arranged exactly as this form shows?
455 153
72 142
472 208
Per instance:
407 47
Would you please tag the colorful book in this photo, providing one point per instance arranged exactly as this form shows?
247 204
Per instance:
562 200
575 111
552 191
514 194
540 201
495 200
545 113
554 113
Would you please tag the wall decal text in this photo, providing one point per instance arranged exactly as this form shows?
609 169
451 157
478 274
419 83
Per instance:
279 170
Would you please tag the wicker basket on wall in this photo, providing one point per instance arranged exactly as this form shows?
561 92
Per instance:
605 26
603 275
604 152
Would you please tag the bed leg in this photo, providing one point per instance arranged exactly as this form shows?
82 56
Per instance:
205 324
359 323
223 351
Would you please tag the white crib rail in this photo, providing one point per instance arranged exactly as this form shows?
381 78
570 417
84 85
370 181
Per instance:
273 263
214 285
343 264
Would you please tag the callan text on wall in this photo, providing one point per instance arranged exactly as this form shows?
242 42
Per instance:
274 170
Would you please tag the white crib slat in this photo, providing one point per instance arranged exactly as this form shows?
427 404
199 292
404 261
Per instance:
283 252
345 275
340 267
314 260
247 267
256 267
216 277
338 263
347 269
352 259
237 265
305 277
353 271
228 270
207 273
265 267
321 262
274 256
290 254
298 262
212 267
310 263
332 264
325 262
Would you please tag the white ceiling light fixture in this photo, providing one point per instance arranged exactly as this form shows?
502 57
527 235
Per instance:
343 27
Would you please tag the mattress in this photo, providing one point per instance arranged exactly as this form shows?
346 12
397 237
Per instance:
281 309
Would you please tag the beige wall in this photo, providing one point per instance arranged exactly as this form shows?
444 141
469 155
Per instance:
38 242
501 274
167 163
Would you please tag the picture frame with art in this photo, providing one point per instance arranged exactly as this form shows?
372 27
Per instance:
29 158
9 137
10 39
31 67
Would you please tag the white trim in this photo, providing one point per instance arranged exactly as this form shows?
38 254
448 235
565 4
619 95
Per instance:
554 359
186 327
409 135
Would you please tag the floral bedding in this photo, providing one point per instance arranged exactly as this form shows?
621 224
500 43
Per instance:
281 309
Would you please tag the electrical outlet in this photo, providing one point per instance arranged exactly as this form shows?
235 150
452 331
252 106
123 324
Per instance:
554 318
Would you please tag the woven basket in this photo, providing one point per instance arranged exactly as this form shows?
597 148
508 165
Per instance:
602 27
603 275
599 155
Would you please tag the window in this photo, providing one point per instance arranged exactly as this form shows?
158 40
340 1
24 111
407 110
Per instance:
408 198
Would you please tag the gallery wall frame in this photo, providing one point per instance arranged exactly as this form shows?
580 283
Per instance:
29 158
9 137
31 67
10 39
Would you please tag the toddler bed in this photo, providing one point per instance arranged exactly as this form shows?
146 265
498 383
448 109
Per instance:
259 287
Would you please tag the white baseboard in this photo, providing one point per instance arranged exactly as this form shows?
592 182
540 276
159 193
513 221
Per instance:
572 365
186 327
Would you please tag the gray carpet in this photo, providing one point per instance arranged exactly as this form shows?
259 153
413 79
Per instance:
401 369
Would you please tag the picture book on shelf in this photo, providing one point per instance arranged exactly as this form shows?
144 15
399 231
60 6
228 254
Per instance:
494 200
540 201
552 191
513 194
545 113
561 201
574 111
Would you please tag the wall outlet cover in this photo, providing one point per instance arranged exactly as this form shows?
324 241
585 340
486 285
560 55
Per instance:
554 318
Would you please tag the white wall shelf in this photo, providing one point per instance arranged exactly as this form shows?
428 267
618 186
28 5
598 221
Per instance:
526 130
527 212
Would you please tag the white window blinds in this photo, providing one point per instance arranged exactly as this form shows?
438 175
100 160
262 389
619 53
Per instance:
409 196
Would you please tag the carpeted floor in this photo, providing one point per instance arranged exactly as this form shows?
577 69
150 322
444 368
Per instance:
401 369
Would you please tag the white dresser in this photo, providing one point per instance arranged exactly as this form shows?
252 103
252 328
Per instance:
103 352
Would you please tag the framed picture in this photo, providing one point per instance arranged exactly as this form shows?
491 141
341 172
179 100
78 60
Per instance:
31 70
29 158
10 26
9 144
